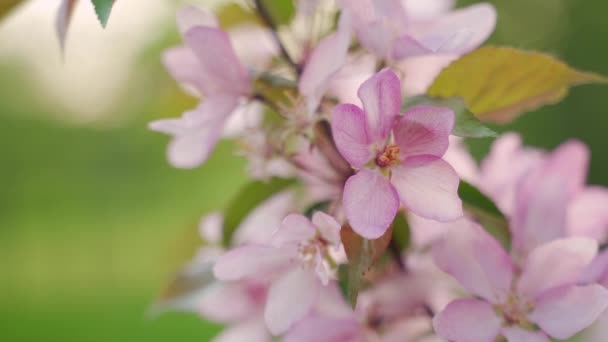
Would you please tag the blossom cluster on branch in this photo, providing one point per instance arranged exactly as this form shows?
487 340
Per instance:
366 218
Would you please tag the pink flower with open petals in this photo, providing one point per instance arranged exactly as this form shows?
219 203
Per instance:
294 260
398 158
543 292
209 64
393 30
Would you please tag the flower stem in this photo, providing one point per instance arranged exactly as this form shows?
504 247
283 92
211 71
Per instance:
266 18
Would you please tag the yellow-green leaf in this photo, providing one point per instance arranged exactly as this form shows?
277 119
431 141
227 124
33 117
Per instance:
7 5
232 14
500 83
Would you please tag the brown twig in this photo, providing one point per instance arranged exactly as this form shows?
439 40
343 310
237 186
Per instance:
266 18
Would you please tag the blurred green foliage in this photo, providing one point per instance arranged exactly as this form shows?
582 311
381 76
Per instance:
93 222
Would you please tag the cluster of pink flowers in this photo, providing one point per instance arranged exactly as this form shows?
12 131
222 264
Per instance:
325 117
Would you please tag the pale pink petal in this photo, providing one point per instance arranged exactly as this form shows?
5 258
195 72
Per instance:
571 161
516 334
62 21
407 46
381 98
327 226
597 271
564 311
557 263
325 329
189 16
370 203
326 59
375 37
588 213
543 195
252 261
476 260
227 302
350 134
184 67
196 132
420 72
469 320
290 299
425 9
428 186
458 31
424 130
254 45
210 227
263 221
294 229
222 73
252 330
504 168
540 215
461 160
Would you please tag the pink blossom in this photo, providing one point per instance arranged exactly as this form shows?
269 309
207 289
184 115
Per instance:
239 306
394 29
398 158
324 62
209 64
294 261
515 297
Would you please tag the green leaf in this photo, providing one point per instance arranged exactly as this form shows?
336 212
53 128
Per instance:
401 231
483 210
232 14
362 254
500 83
103 9
281 11
6 6
248 199
466 125
183 287
319 206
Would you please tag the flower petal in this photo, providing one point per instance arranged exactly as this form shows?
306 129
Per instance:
458 31
476 260
407 46
324 329
424 130
227 302
469 320
381 98
587 214
350 134
295 228
189 16
564 311
252 330
428 186
504 168
196 132
566 258
516 334
370 203
326 59
426 9
251 261
290 299
184 67
222 73
327 226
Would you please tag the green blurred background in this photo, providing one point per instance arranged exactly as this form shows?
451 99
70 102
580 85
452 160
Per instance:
93 222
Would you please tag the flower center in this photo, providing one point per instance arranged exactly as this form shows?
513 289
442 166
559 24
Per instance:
309 251
389 156
515 312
